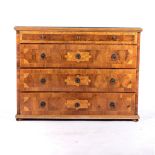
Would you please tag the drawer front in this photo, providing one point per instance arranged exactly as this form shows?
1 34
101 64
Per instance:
78 37
78 56
104 80
77 103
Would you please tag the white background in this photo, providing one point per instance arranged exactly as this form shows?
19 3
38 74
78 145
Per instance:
77 137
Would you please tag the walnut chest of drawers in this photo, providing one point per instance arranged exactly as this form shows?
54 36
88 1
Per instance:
77 73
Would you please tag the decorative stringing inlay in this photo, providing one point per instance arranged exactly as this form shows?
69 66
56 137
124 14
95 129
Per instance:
26 104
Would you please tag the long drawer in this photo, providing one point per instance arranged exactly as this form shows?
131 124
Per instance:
78 56
78 37
91 80
77 103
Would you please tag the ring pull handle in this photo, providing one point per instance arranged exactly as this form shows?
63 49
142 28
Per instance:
112 105
77 80
42 104
43 81
112 81
43 55
77 105
114 56
78 56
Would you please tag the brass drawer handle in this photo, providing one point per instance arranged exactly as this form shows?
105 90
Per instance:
42 104
77 104
77 80
43 55
43 81
78 56
112 105
114 56
112 81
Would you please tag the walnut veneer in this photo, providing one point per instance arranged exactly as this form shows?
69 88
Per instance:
77 73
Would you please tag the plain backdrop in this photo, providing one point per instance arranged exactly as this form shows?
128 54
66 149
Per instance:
77 137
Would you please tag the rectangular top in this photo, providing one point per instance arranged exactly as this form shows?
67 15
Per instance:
82 29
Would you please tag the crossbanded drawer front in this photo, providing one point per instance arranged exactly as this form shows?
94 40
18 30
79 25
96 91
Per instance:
78 37
77 103
83 80
78 56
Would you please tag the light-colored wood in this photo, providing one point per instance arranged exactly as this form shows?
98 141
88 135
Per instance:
81 117
92 56
80 29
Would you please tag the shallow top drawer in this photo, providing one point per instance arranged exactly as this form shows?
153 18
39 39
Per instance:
78 37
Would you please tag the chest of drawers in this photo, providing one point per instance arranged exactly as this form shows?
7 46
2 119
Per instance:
77 73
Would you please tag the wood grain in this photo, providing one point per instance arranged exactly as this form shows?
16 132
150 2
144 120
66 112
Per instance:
91 56
137 72
77 73
99 103
95 80
78 37
77 104
18 72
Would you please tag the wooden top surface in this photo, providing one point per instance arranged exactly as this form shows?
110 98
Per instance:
87 29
